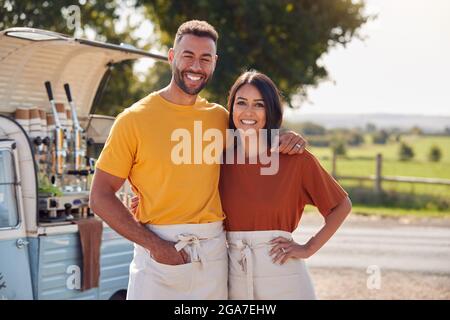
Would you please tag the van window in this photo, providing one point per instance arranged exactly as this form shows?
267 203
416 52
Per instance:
8 203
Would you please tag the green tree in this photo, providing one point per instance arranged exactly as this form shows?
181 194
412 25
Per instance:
380 137
406 152
312 129
370 127
283 39
435 154
447 131
355 138
339 147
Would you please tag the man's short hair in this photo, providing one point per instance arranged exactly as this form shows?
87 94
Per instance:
197 28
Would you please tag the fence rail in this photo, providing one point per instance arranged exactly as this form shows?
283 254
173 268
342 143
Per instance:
378 178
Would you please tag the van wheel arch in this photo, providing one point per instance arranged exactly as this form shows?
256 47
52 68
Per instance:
119 295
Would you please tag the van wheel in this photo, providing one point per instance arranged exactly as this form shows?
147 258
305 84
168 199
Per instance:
119 295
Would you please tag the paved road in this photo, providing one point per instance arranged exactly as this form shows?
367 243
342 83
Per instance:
388 244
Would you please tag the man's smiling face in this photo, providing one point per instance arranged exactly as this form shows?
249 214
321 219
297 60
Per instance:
193 61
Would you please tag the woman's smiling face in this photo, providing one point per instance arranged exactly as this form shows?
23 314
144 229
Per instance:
249 111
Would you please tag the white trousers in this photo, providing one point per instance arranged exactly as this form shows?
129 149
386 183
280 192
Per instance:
204 277
253 276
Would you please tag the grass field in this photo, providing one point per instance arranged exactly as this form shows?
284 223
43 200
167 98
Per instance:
420 144
360 161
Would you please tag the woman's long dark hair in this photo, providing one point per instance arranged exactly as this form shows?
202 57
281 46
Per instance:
271 97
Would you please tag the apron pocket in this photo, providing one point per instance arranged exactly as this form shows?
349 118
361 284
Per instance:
211 280
175 277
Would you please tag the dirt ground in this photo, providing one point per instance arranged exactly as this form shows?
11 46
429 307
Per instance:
344 284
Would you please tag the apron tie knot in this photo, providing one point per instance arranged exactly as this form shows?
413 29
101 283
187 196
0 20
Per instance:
192 242
246 263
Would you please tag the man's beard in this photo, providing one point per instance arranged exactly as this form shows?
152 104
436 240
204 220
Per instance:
178 77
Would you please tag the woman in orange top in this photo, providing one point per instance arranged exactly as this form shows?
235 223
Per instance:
263 210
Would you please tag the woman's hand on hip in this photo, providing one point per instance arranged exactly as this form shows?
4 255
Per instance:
283 249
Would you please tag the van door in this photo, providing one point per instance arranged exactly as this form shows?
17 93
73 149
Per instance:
15 277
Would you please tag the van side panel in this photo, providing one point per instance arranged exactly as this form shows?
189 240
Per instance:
15 278
117 253
60 266
59 259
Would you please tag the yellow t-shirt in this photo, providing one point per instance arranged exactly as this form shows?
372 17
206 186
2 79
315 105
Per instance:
140 148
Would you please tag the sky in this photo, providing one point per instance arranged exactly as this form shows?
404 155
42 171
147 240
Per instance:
402 67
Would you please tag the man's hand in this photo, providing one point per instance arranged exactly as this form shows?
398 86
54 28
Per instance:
103 201
134 204
290 143
166 253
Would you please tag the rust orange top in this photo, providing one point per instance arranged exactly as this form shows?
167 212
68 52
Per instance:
254 202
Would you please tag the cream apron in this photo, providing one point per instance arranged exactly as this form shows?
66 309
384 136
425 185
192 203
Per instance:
204 277
253 276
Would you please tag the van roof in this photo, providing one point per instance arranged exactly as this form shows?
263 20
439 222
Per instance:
29 57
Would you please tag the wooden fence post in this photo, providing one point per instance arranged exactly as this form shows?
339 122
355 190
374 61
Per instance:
379 162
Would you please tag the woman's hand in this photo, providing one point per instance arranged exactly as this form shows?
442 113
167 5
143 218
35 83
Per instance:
290 143
283 249
134 204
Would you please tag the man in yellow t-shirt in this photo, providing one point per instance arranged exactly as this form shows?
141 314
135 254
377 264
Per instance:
180 248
